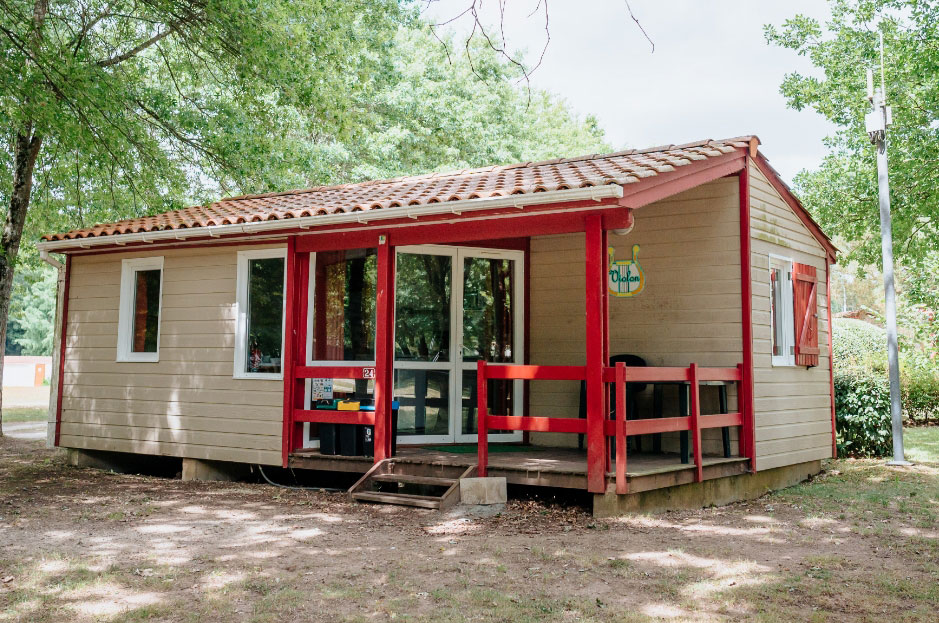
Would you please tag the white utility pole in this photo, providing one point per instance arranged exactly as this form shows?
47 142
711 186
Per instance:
877 122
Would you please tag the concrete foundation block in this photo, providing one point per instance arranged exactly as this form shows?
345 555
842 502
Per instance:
97 459
715 492
197 469
474 491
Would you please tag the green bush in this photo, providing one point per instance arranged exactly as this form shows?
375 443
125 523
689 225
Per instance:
919 387
862 389
862 412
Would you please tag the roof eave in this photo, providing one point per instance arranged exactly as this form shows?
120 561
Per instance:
591 193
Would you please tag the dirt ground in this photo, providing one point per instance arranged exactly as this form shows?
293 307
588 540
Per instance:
859 544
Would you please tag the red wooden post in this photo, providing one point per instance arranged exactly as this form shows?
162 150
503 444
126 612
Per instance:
606 334
696 423
621 486
384 347
742 440
746 315
595 255
63 336
301 289
831 360
482 426
290 347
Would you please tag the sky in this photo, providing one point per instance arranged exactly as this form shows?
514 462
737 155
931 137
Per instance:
712 74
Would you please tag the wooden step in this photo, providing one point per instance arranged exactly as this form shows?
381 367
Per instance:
423 501
413 479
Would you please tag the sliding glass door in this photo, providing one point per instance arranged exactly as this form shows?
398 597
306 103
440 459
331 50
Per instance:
454 306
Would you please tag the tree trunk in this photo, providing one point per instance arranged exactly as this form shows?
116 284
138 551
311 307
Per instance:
25 151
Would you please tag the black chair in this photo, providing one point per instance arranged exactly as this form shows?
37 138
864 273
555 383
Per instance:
632 390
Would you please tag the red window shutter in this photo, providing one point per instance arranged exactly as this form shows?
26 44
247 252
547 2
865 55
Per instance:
805 304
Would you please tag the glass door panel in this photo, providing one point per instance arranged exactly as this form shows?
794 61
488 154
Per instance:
490 330
424 403
423 343
422 307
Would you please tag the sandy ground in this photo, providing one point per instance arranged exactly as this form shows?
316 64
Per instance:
26 396
86 545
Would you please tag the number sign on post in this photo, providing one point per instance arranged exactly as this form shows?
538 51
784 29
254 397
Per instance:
625 277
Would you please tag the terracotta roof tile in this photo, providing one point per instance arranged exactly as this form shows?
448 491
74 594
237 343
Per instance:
624 167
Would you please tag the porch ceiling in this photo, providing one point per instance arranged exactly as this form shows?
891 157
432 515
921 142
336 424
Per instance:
623 168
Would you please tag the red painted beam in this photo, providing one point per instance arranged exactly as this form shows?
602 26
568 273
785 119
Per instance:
290 347
482 420
648 426
746 319
302 288
595 283
384 347
683 178
649 375
334 372
720 420
322 416
62 345
448 229
696 424
536 373
622 487
718 374
831 362
539 424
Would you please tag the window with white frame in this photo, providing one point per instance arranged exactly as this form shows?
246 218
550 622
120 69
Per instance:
781 308
259 338
138 328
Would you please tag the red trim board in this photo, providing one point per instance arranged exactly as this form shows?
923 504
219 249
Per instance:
746 316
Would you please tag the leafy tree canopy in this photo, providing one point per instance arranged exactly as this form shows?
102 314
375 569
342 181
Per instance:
842 194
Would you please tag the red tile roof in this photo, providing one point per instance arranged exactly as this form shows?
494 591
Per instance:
624 167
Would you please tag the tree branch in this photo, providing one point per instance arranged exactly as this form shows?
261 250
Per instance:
134 51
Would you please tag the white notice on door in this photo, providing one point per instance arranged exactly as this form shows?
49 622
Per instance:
321 389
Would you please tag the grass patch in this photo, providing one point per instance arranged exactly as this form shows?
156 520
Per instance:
922 444
25 414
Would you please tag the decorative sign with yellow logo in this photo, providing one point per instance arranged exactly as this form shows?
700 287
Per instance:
625 276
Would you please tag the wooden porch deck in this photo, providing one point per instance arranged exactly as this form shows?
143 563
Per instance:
564 468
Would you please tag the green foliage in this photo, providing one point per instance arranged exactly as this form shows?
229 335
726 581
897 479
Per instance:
862 390
856 343
842 194
32 312
920 394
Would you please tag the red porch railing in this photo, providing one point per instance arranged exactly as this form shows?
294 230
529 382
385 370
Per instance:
322 416
486 422
619 429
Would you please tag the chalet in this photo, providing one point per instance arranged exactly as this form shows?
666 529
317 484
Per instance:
650 326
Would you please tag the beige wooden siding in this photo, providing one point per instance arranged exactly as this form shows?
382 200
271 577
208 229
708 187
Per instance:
792 404
688 313
185 405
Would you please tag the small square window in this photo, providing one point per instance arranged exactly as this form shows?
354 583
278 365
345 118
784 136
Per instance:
140 309
260 332
783 327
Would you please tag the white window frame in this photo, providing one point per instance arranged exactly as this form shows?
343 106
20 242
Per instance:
241 313
128 295
786 315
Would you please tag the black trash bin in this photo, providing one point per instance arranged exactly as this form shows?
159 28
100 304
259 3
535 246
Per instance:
328 433
329 439
367 433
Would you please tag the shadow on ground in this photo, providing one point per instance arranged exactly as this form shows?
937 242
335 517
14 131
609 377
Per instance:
859 543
